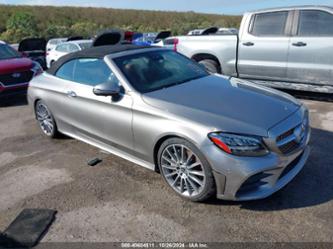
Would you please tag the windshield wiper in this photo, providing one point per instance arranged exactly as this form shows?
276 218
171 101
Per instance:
179 82
163 87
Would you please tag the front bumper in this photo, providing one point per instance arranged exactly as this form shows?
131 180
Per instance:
249 178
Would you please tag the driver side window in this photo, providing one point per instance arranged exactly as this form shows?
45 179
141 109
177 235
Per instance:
87 71
92 72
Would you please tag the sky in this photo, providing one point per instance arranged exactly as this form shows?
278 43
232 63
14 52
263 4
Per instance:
234 7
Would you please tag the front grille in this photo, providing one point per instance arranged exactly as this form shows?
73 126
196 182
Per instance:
285 135
289 147
292 139
291 166
16 78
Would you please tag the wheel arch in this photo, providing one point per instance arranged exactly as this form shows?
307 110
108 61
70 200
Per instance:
206 56
162 139
157 146
34 105
210 175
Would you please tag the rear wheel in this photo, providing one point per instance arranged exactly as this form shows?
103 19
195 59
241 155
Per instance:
212 66
185 169
45 120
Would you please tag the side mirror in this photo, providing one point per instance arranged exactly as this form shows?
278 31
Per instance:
107 89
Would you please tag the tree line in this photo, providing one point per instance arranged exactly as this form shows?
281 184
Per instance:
19 22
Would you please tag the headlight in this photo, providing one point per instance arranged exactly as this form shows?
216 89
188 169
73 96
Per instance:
239 145
36 68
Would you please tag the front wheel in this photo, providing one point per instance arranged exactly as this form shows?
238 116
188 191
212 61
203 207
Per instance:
185 169
211 66
45 120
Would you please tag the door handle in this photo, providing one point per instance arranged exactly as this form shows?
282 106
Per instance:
248 44
299 44
71 94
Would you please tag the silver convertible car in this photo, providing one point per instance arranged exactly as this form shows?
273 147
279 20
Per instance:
206 134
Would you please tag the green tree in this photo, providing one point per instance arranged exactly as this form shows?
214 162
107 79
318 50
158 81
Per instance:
57 31
19 26
85 29
23 21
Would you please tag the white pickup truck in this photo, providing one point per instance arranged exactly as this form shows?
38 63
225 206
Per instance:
283 48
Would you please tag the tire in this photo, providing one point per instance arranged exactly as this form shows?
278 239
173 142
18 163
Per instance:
45 119
51 63
212 66
187 171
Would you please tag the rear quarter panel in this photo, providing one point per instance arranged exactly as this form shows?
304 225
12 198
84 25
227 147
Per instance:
223 47
52 91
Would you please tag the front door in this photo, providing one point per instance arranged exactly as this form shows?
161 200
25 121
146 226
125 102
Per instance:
98 118
263 48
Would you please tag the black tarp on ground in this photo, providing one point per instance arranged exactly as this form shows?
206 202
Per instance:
27 229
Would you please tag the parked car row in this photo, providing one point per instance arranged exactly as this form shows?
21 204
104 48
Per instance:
59 47
283 48
20 62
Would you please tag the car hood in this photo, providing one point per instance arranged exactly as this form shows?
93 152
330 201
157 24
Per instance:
15 65
224 104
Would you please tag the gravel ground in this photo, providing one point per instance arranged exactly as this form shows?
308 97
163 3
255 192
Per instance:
120 201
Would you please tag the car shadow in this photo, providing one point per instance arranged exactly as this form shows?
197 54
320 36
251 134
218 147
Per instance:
18 100
312 186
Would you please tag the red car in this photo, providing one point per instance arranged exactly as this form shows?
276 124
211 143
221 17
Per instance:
15 71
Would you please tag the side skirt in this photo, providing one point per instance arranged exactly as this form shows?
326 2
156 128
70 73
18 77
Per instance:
111 150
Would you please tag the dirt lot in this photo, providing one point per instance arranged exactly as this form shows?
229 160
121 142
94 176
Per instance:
119 201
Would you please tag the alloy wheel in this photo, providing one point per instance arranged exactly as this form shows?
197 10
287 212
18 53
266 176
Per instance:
45 119
183 170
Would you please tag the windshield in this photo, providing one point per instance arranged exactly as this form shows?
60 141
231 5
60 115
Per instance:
7 52
153 70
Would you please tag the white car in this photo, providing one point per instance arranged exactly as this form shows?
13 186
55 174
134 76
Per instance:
52 43
66 48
